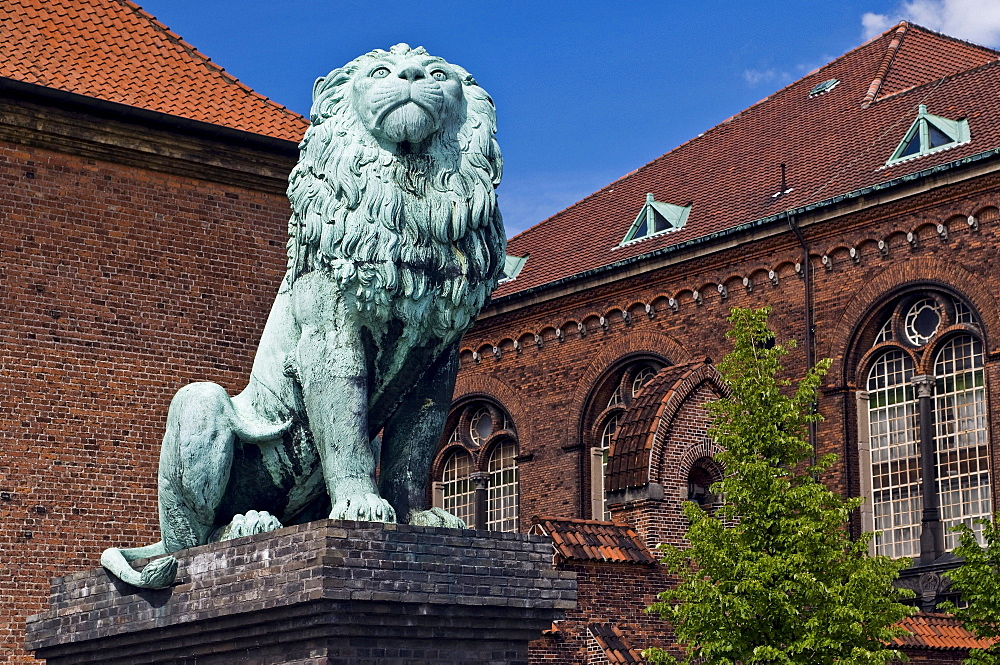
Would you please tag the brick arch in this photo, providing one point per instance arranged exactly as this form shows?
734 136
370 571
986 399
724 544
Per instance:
471 385
638 342
916 272
644 424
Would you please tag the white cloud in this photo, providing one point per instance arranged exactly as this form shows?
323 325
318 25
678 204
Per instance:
977 21
758 76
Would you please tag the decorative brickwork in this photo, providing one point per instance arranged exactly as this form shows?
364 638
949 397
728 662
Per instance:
324 593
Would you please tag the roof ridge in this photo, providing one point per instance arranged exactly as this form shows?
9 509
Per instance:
883 69
205 60
936 82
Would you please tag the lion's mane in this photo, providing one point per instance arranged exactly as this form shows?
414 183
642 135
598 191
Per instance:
390 227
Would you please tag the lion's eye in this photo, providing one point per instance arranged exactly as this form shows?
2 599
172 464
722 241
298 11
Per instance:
439 75
380 73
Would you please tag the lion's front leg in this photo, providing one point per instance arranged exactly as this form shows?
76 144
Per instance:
410 441
333 375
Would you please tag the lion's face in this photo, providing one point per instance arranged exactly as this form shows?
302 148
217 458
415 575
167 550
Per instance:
406 97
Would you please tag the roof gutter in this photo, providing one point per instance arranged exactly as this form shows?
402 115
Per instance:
747 226
153 119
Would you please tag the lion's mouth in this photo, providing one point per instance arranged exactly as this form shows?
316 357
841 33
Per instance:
409 115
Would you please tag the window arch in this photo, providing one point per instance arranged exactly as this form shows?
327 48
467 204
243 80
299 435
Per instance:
923 406
502 493
458 495
612 394
475 475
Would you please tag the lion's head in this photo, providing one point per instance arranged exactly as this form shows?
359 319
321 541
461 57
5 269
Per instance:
394 189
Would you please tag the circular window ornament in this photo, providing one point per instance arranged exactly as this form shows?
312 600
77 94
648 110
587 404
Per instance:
922 321
480 426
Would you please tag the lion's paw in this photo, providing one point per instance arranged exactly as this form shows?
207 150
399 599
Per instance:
363 508
436 517
252 523
158 573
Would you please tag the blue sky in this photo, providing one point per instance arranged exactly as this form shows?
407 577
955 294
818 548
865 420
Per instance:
586 91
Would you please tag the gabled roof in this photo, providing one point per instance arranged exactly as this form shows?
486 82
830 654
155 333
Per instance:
833 144
115 51
938 631
591 540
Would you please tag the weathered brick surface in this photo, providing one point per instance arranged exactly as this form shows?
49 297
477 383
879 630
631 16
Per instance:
119 285
326 592
615 593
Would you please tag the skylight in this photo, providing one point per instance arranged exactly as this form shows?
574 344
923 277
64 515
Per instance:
825 86
929 134
656 217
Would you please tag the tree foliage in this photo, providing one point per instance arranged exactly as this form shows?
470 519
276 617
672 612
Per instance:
773 576
978 582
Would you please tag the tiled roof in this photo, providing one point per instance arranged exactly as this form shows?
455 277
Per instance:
115 51
628 461
612 641
833 144
938 631
591 540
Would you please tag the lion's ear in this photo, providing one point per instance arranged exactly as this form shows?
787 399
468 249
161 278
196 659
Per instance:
317 86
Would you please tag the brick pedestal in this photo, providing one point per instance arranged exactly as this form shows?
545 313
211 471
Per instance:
318 594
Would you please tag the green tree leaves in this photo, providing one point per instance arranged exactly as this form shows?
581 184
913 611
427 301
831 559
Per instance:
773 576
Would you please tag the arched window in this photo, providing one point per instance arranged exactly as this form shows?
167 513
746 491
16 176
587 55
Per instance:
501 500
963 475
477 466
895 460
458 495
926 405
612 394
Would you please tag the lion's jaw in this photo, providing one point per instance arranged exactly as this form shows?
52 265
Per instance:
406 97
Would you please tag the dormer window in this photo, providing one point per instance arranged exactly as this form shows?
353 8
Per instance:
929 134
655 218
511 267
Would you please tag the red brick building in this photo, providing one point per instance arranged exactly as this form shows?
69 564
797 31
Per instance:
143 208
861 204
142 215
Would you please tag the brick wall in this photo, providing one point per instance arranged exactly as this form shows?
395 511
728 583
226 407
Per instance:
553 380
606 593
119 286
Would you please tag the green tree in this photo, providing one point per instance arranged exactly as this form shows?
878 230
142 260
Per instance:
773 576
978 582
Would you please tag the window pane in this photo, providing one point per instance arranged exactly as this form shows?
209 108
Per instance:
501 498
458 492
893 429
960 436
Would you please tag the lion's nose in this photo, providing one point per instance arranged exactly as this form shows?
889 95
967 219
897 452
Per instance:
412 73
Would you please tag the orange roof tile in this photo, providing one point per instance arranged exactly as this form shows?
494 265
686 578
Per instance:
938 631
591 540
833 144
115 51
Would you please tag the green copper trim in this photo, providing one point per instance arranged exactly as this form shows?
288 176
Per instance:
656 218
929 134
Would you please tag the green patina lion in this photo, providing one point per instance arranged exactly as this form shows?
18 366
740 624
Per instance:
395 244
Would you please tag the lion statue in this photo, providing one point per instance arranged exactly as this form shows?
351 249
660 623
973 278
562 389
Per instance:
395 244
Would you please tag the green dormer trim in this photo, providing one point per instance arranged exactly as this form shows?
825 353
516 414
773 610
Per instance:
656 218
929 134
512 265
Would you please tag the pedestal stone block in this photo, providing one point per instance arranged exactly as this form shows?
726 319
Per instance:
320 594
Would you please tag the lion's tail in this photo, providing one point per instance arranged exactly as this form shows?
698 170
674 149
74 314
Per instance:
156 575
